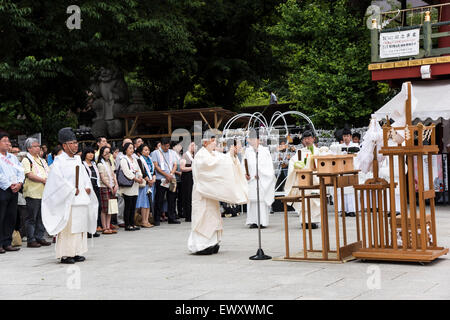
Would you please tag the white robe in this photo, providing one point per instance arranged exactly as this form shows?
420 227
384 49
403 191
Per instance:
217 177
65 214
291 181
267 182
349 192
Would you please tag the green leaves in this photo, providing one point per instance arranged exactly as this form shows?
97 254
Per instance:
325 47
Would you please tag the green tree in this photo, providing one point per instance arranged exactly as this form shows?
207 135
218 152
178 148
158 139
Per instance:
326 47
45 67
232 47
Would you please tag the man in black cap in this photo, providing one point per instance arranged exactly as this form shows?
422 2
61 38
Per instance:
69 208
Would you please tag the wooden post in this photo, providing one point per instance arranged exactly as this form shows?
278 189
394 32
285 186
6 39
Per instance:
392 202
421 187
169 123
432 204
403 202
363 218
386 222
427 43
358 235
374 42
336 216
215 121
286 229
412 201
305 250
323 217
309 223
380 217
369 222
374 217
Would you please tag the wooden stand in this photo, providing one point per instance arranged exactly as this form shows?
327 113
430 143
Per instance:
342 253
415 244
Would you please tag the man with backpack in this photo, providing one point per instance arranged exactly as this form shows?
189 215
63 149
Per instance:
36 173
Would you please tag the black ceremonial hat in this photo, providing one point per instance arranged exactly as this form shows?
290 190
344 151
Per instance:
66 134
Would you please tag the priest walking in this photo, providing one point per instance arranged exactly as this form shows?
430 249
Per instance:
217 177
267 182
69 207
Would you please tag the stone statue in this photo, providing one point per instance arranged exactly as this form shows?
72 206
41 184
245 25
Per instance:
111 98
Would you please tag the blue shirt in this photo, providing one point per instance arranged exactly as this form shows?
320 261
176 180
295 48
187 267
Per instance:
149 162
11 172
49 159
168 156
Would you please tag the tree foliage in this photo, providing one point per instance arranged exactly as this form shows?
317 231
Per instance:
325 45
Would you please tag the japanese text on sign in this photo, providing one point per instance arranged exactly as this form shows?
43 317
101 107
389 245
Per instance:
399 44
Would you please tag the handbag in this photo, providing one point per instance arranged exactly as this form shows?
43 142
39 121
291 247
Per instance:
16 239
173 182
173 185
122 180
113 206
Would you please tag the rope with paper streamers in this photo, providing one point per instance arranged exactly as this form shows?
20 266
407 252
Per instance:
407 133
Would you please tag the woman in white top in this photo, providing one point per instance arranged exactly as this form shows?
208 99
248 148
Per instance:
131 170
108 187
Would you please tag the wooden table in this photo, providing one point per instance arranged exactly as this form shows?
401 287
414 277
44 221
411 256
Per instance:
342 253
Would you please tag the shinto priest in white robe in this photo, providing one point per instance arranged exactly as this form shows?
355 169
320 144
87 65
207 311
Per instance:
267 182
291 181
64 214
349 192
217 177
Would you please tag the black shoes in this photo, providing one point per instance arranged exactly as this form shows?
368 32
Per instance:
136 228
207 251
313 226
173 222
350 214
79 258
96 235
255 226
68 260
72 260
216 248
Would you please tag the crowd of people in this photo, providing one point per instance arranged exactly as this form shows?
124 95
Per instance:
134 186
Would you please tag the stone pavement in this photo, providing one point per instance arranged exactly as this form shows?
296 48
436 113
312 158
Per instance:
155 264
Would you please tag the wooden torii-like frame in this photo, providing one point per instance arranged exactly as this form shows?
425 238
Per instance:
416 240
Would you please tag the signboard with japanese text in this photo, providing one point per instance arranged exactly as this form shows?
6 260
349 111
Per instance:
399 44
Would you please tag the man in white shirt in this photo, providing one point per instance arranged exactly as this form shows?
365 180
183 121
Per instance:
165 163
11 180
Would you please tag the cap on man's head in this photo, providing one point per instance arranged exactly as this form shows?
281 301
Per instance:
66 134
307 133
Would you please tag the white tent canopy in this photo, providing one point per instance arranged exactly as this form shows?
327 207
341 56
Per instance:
431 100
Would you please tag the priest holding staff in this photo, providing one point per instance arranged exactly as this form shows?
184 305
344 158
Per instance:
267 181
217 177
69 207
